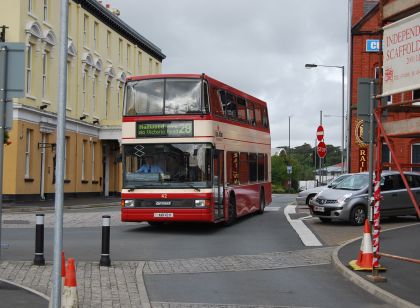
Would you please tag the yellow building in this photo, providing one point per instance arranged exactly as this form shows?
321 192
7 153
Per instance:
102 51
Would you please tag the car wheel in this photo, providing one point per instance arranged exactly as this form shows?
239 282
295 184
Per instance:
262 202
309 199
324 220
231 212
358 215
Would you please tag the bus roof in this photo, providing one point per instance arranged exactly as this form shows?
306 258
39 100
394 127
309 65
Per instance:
211 80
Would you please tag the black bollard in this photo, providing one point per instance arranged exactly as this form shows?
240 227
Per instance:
39 240
105 259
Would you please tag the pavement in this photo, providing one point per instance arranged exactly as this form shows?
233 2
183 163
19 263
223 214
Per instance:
122 284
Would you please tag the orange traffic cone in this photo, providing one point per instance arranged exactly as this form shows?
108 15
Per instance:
63 269
365 257
69 298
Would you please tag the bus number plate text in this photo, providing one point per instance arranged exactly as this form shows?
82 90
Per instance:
166 215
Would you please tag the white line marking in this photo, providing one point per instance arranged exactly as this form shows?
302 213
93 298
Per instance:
306 235
272 209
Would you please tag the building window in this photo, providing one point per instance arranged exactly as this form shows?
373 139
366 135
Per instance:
95 35
45 10
120 50
28 69
157 68
415 155
107 94
120 97
66 148
128 60
386 156
108 42
30 6
84 86
93 160
85 30
44 74
28 148
94 82
150 65
83 159
139 60
416 95
68 100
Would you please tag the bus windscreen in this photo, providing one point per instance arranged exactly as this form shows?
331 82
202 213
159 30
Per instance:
163 96
167 165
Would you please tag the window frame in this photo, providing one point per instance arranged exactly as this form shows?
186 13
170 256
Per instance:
29 69
45 11
28 148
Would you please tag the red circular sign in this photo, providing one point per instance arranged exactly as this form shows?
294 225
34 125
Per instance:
320 133
321 149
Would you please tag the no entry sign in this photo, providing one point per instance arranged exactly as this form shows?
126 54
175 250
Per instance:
320 133
321 149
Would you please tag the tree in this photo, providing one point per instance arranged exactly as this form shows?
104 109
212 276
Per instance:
303 160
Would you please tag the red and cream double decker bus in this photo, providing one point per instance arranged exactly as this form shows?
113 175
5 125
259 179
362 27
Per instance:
194 149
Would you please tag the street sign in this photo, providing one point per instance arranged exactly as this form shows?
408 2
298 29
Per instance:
289 169
320 133
373 45
15 73
321 149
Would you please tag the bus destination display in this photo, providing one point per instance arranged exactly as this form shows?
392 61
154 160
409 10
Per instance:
164 129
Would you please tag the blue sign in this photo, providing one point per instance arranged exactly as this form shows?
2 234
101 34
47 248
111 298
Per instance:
373 45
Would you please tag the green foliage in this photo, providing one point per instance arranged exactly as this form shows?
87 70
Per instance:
302 159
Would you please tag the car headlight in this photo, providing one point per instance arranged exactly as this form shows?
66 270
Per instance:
343 198
202 203
129 203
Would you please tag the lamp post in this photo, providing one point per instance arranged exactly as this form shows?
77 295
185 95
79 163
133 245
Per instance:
289 171
342 106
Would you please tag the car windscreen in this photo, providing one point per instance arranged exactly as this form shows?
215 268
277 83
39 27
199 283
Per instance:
338 179
353 182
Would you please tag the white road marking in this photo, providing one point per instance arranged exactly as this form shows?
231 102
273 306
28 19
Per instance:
306 235
272 208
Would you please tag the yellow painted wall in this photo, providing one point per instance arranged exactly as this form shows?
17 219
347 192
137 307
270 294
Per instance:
133 61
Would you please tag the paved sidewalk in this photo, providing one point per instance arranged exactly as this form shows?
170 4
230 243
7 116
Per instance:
401 288
122 284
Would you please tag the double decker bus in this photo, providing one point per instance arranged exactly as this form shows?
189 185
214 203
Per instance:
193 149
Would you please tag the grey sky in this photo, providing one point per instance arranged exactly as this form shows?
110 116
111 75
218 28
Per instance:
259 47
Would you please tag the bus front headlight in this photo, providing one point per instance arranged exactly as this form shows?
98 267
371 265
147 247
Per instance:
129 203
202 203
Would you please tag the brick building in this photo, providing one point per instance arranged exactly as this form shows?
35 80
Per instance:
366 63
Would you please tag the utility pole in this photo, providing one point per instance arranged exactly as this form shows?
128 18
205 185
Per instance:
61 129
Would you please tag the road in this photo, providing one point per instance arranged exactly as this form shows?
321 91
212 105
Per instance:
260 260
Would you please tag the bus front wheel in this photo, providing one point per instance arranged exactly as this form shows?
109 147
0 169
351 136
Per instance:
231 211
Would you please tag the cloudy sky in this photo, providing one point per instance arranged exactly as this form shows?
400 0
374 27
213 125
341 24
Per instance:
259 47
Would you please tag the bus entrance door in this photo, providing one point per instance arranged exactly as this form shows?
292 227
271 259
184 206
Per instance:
218 184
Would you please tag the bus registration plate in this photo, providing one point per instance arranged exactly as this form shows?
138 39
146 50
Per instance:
170 215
